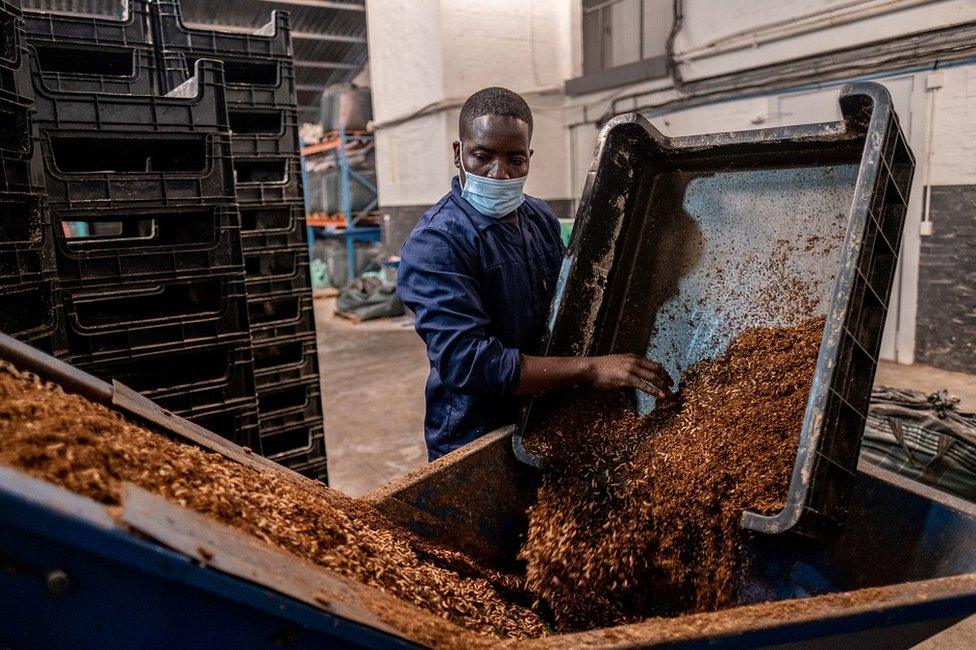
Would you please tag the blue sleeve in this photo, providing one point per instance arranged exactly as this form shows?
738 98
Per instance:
437 281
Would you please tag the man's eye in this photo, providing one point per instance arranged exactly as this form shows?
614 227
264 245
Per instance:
518 161
482 157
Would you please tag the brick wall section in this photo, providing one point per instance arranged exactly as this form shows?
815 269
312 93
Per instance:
946 323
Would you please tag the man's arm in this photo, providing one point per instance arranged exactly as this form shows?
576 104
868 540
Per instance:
542 374
438 285
438 282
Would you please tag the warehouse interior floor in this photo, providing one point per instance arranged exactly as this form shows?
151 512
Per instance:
373 376
373 382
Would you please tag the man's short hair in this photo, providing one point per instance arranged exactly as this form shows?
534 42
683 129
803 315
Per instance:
495 101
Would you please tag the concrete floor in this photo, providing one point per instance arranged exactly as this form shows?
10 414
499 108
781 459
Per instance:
373 378
929 380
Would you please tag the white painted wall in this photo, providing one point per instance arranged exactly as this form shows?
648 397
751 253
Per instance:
722 37
953 143
433 54
426 53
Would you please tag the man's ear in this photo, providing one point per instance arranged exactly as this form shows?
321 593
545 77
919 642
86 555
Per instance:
457 153
531 151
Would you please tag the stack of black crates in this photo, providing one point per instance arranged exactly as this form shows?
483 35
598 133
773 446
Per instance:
171 165
29 293
262 111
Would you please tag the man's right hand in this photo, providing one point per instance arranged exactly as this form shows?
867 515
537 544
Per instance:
542 374
629 371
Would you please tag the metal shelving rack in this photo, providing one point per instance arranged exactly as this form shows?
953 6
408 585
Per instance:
348 228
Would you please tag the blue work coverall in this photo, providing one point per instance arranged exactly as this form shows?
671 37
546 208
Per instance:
480 288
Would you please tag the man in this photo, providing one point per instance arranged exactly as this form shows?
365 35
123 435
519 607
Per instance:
479 271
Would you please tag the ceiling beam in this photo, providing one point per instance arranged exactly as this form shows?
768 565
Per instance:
327 65
321 36
320 4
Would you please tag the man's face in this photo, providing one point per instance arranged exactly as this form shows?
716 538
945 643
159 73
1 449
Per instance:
494 146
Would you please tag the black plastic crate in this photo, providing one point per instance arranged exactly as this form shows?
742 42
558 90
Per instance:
733 229
285 360
11 26
290 403
294 445
146 317
198 107
15 127
15 81
24 266
32 313
276 270
316 469
87 67
122 246
26 247
274 225
21 175
24 221
196 169
196 379
135 151
252 83
94 54
268 179
264 132
269 41
236 421
281 315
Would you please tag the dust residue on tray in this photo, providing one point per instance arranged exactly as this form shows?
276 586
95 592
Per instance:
640 514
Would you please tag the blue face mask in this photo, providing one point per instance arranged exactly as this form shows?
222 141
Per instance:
492 197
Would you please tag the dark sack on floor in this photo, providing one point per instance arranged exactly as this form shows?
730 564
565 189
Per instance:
367 298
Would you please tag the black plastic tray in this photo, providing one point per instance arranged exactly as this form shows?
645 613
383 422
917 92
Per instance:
271 40
264 132
285 360
127 151
23 221
131 30
80 53
281 315
273 85
21 175
11 25
300 398
674 253
197 107
103 69
32 314
26 242
25 266
273 225
193 380
199 170
153 317
295 445
277 270
317 468
145 244
15 127
268 180
236 421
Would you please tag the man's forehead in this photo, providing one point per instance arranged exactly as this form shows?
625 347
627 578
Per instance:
496 129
